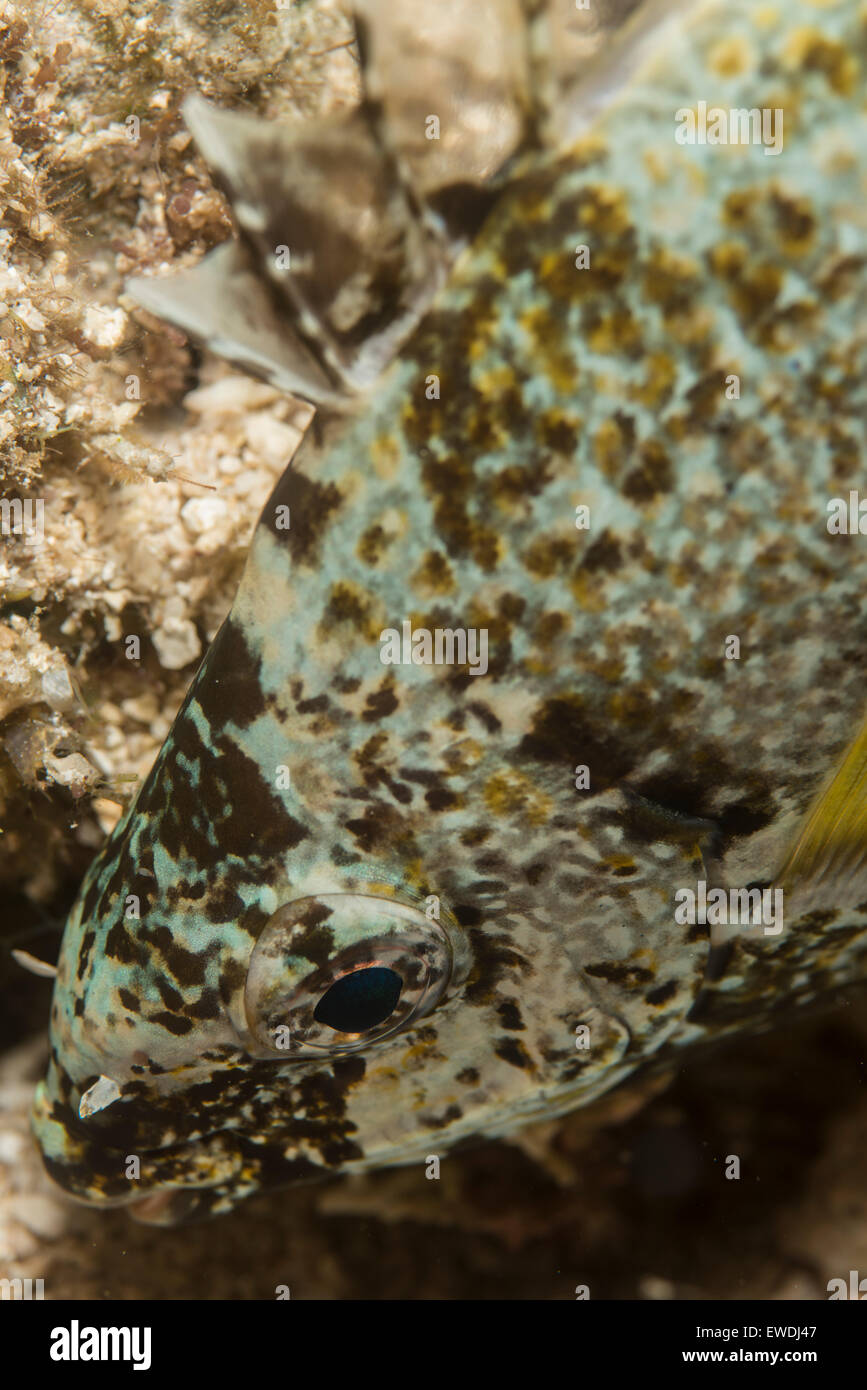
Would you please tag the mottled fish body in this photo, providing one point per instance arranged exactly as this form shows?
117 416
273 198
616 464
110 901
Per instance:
609 446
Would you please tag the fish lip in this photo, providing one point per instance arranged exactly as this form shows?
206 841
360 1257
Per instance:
96 1203
164 1204
167 1206
151 1209
68 1175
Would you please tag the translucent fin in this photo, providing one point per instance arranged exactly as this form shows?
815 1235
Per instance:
829 860
350 223
331 225
579 56
222 302
595 53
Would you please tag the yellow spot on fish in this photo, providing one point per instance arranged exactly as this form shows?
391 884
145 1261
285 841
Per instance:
656 166
556 357
660 375
588 593
434 576
511 793
462 756
385 455
812 51
768 17
616 331
731 57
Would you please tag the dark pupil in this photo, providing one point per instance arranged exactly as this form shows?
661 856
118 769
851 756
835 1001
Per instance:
359 1001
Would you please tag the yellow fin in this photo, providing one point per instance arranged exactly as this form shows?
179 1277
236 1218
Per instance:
832 847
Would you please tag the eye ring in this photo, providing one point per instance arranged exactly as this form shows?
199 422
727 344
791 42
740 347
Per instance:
310 949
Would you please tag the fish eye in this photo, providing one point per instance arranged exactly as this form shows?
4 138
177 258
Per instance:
360 1000
339 971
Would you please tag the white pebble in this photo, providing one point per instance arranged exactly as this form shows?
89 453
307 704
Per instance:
201 514
177 644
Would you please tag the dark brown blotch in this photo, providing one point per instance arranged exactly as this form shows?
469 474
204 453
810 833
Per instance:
311 507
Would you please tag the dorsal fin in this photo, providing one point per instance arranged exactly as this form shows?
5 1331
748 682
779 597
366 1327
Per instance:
222 302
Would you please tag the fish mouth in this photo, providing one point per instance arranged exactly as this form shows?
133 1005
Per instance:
163 1206
81 1178
173 1201
160 1185
191 1180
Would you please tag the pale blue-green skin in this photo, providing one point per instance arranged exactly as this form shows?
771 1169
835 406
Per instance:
558 387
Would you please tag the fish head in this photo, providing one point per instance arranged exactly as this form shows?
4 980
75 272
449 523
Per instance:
249 995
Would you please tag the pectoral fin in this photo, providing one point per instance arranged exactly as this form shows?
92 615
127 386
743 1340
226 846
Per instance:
829 860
